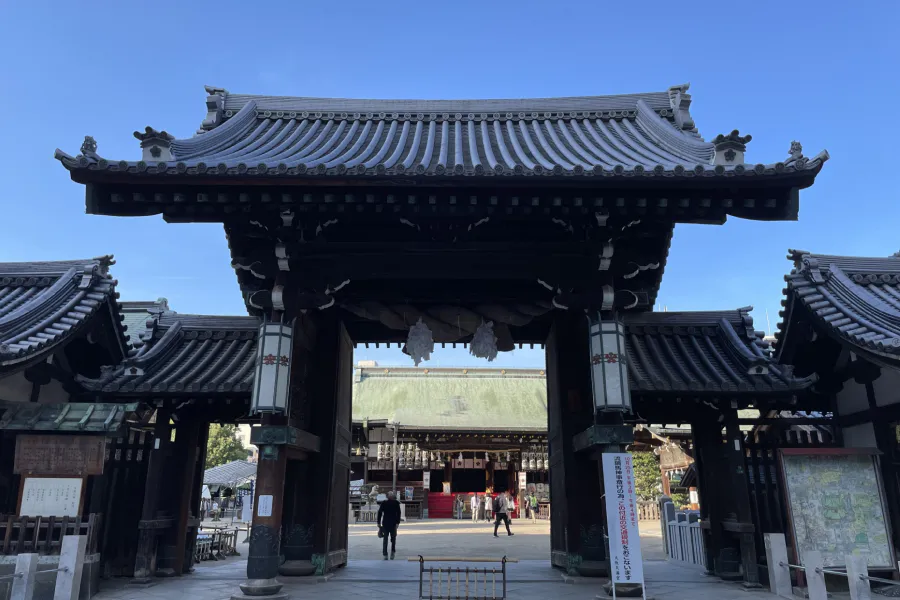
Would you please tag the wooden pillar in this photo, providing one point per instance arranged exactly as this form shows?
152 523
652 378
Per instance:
145 560
886 442
187 438
740 496
196 491
576 526
708 457
268 504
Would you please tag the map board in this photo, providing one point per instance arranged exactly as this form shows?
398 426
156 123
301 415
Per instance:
51 497
836 505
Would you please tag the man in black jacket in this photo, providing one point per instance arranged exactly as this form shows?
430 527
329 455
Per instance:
388 520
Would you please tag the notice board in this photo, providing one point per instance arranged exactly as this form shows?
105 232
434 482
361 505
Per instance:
836 505
51 497
76 455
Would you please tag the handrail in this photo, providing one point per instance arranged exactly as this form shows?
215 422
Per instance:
460 559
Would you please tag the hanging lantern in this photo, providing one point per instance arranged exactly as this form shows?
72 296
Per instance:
532 461
273 369
420 342
460 456
507 457
484 342
546 461
609 371
380 452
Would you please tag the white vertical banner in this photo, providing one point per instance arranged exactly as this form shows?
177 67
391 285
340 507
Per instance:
622 519
426 479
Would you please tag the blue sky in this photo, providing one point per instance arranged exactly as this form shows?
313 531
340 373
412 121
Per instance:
824 74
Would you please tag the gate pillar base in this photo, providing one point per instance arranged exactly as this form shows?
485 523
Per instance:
297 568
623 590
257 588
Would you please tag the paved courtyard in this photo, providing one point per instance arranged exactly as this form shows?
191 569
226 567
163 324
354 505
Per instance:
368 576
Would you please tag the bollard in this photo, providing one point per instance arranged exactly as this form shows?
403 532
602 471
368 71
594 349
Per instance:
23 584
857 567
776 555
71 565
815 578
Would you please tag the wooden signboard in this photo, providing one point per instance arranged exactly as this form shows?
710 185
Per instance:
60 455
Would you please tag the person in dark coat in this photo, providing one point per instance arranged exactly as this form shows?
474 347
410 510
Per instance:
388 520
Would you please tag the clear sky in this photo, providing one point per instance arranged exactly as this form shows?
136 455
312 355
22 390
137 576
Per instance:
823 73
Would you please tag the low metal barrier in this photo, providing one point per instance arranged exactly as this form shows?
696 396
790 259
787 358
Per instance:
458 583
856 572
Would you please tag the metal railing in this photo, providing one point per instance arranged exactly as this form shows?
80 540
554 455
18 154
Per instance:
856 572
458 583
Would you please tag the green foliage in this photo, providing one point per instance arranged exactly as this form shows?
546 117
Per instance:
680 499
223 446
647 479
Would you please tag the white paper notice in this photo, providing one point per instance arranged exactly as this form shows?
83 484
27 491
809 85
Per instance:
51 497
265 507
622 519
426 479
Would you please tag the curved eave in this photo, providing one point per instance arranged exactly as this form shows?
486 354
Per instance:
85 170
54 326
846 311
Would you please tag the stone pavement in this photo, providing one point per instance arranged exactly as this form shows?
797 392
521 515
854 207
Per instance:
370 578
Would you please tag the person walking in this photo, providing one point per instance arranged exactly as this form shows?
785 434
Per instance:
501 512
473 504
532 501
388 521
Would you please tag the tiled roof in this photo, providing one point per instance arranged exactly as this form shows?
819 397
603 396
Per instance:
856 299
138 318
187 354
474 399
636 135
234 473
44 303
66 417
715 352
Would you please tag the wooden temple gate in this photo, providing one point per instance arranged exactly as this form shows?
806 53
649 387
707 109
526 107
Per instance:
353 221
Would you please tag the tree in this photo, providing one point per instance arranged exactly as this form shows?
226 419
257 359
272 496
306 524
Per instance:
223 446
647 479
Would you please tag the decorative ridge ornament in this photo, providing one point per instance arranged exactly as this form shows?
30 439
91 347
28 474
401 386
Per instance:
730 148
156 145
420 342
484 342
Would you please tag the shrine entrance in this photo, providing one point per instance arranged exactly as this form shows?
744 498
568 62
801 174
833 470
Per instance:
361 221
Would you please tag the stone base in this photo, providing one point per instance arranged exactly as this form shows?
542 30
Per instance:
278 596
142 582
623 590
592 568
255 588
297 568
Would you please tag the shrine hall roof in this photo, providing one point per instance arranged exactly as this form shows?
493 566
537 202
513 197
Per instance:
470 399
633 135
190 354
855 299
138 318
713 352
42 304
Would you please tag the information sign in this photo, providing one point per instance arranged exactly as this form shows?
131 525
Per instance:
622 519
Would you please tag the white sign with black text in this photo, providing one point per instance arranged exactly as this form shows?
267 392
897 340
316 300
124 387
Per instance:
426 479
622 519
265 506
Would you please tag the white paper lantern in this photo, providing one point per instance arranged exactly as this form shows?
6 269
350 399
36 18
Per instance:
273 369
609 370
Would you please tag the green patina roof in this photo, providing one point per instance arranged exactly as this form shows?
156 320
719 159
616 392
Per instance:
473 399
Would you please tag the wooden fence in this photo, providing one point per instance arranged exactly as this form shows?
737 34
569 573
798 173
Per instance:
683 536
648 510
44 535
